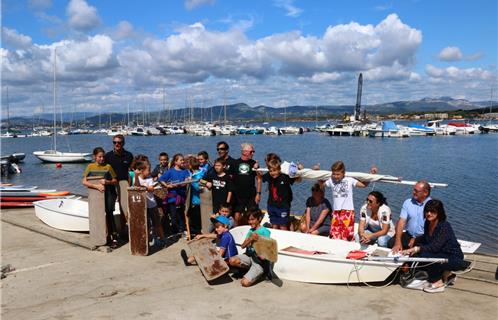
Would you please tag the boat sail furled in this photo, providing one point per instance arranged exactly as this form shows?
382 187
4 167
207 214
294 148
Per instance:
54 155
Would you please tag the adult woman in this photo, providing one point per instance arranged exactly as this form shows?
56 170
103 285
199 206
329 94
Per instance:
317 216
375 221
438 241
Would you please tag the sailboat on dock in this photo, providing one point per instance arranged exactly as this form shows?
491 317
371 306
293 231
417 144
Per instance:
53 155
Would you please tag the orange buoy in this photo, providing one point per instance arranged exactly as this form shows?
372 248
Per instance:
58 165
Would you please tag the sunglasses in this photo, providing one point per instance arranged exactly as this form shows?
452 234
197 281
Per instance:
369 201
117 142
221 149
250 151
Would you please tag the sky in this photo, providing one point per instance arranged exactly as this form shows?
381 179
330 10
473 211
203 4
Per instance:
148 55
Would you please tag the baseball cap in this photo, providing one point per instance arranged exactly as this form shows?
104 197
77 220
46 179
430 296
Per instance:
221 219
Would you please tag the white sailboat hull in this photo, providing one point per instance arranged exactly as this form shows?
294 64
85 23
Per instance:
62 157
329 268
65 214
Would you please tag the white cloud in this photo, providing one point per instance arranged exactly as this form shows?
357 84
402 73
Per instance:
288 5
450 54
11 37
192 4
39 4
124 30
456 74
81 16
474 57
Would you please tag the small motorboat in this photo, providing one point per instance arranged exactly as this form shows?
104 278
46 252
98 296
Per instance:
65 214
317 259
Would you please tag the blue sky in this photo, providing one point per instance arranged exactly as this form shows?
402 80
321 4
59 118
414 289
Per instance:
282 52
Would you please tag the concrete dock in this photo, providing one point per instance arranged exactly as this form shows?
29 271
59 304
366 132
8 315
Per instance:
56 276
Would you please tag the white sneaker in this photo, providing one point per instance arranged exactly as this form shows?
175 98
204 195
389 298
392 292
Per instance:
431 288
184 235
417 284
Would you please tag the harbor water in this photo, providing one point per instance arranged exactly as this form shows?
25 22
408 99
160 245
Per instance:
467 163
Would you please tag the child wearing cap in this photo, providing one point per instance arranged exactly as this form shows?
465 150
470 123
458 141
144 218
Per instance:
225 210
249 259
226 243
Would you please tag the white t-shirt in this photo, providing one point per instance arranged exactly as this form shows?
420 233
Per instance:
147 182
383 216
342 193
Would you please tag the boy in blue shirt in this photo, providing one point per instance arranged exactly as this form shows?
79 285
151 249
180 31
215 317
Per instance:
226 243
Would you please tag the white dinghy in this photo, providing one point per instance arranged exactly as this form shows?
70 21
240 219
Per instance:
65 214
316 259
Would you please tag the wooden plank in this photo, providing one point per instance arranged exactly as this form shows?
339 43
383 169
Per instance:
137 223
266 248
96 214
208 258
206 208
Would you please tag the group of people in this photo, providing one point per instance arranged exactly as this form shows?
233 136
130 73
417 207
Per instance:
236 186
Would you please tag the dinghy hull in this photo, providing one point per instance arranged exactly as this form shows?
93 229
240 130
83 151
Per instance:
327 266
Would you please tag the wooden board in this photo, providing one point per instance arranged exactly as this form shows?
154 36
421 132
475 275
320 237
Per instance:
266 248
137 221
123 197
208 258
96 214
206 209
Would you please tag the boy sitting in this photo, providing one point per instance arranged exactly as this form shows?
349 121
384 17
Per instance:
226 244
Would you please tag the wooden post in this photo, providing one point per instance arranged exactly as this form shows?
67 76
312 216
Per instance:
206 208
137 221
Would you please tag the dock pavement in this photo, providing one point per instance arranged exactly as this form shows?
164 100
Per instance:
56 275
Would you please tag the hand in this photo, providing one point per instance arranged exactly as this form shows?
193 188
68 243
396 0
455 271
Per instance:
316 166
254 236
209 185
256 165
257 198
102 182
100 187
364 238
411 243
213 216
396 248
300 166
373 170
199 236
410 251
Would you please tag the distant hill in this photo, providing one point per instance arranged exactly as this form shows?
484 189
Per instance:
244 112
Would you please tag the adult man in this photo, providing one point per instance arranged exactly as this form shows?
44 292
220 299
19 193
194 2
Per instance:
120 160
222 148
411 216
246 193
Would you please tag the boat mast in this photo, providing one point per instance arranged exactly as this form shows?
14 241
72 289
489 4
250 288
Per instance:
358 98
55 120
8 111
225 107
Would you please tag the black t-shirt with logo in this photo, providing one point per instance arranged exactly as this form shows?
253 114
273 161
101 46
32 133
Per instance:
279 190
243 178
229 164
221 187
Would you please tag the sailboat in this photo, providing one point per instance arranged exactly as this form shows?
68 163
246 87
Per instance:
54 155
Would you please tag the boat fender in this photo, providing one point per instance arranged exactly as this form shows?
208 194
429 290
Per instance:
58 165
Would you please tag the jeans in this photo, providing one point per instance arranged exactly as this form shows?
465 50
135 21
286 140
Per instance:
176 214
381 241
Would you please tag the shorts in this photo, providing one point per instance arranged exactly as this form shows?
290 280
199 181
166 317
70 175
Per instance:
342 225
255 269
243 204
278 216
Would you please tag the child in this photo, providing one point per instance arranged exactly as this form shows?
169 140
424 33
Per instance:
225 210
317 216
279 195
142 172
226 243
249 259
342 226
131 172
176 194
106 185
162 167
220 184
194 212
203 158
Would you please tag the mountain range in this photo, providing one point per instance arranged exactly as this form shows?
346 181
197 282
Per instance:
244 112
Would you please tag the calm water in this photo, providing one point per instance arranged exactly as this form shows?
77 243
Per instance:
469 164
